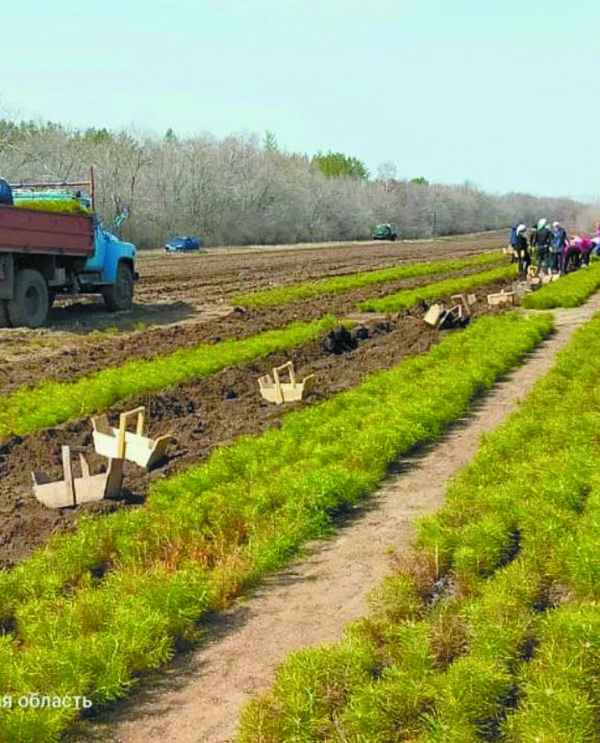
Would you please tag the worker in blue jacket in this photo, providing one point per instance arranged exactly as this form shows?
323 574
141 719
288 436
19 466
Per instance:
558 242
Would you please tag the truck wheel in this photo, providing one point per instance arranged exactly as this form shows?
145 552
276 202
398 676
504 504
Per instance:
4 321
29 305
119 296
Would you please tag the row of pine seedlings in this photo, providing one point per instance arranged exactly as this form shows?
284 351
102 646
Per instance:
336 284
570 291
489 630
28 409
407 298
96 609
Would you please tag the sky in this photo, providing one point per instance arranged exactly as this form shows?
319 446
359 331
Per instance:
505 95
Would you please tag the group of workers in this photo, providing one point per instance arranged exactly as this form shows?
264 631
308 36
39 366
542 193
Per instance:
547 241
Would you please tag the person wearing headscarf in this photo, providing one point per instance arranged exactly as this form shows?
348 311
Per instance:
522 250
544 237
533 237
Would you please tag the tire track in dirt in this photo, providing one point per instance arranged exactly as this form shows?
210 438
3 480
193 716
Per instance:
199 698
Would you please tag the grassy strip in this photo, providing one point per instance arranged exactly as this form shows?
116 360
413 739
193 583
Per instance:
560 685
29 409
569 291
97 607
296 292
543 502
405 299
504 644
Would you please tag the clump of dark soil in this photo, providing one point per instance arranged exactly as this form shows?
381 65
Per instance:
340 340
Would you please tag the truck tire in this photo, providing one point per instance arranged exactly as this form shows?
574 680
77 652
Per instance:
29 306
4 321
119 296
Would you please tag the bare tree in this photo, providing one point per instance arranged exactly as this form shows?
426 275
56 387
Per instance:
236 191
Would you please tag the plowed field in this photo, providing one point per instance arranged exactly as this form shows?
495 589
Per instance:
183 301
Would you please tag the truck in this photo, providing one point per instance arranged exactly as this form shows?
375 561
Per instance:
46 254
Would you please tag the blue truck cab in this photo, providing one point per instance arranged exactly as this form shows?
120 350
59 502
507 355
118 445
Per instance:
109 253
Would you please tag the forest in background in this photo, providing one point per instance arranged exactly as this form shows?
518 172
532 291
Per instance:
241 190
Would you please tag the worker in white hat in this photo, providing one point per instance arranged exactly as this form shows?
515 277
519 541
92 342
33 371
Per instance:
544 237
522 249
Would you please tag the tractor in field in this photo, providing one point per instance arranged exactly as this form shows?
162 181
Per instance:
385 232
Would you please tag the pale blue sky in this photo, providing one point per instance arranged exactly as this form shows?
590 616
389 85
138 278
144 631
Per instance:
505 94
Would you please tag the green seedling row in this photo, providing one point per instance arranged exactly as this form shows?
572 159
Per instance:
63 206
95 609
29 409
490 630
569 291
336 284
407 298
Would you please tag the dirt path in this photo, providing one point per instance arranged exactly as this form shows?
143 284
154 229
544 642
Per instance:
199 698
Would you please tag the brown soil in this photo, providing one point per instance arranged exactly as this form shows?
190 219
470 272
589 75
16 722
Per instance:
212 277
171 310
201 415
74 361
200 696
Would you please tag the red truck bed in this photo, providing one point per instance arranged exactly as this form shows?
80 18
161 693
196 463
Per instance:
50 233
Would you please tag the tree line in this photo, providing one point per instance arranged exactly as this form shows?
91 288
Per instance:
239 190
